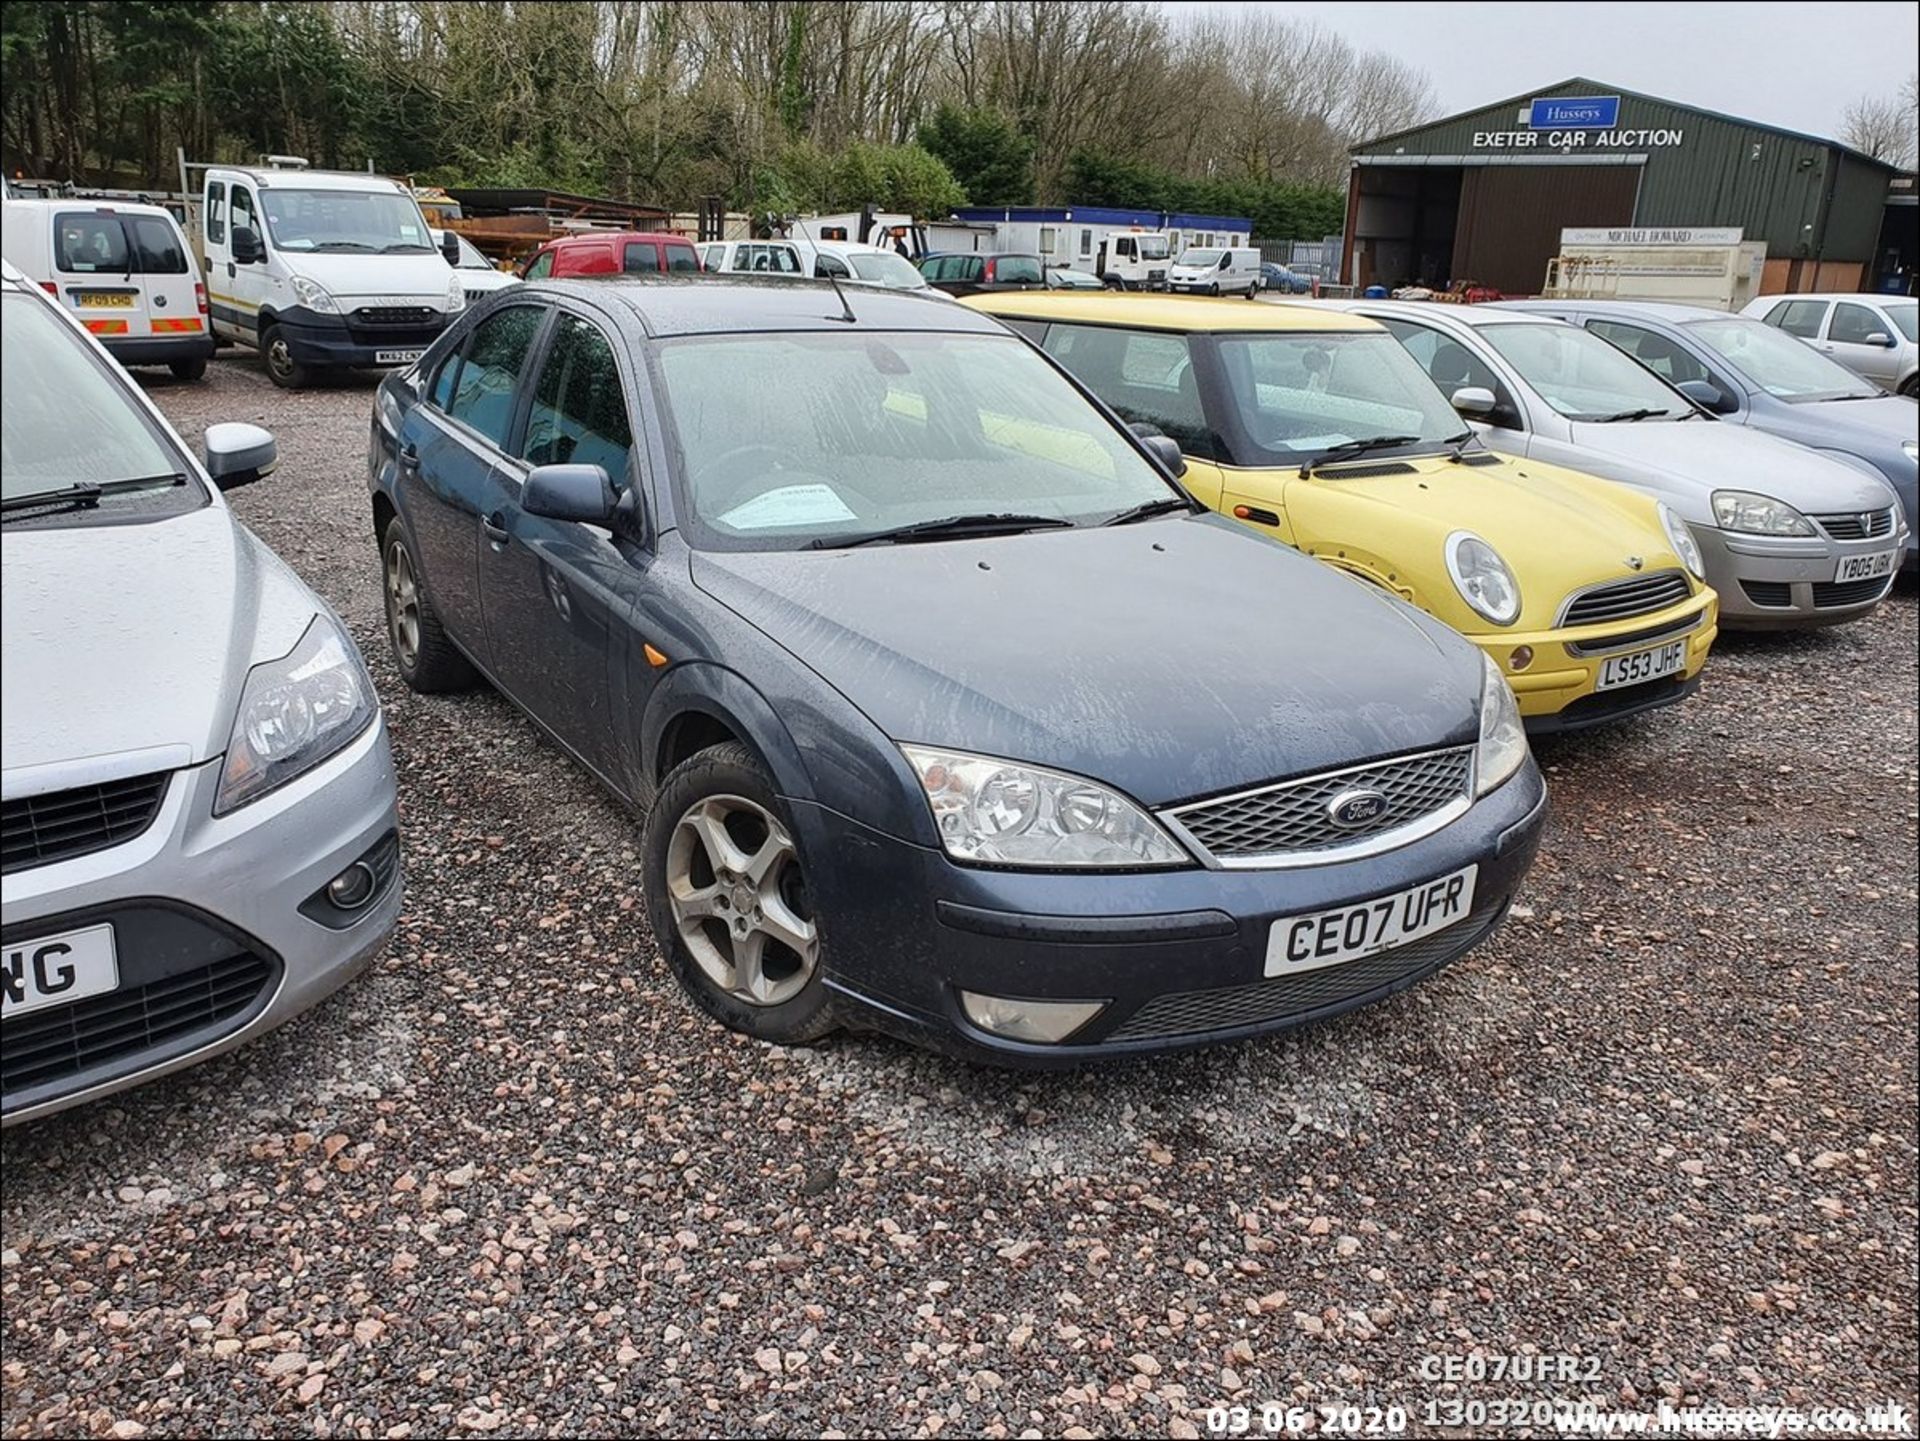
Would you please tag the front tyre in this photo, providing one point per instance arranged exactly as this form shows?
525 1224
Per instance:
729 902
282 369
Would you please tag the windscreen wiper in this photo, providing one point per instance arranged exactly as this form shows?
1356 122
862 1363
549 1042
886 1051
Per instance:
1164 505
1457 444
1641 414
86 495
944 528
403 246
1347 449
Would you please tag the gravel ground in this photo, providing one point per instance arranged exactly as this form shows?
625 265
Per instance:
510 1182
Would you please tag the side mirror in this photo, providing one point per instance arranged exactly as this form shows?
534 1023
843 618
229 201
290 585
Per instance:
1881 339
569 492
238 454
1707 395
450 248
247 246
1475 401
1166 450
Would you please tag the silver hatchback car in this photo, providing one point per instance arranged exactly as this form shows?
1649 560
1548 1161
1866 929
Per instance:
200 833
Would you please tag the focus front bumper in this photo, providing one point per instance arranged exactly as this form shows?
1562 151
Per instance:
222 913
1177 955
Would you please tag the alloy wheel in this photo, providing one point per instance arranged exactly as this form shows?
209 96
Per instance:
739 901
403 604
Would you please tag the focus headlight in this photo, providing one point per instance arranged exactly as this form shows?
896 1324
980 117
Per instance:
313 295
1752 514
1503 738
456 294
1482 578
1684 545
995 812
294 713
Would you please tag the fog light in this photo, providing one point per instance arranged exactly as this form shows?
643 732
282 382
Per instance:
1521 658
353 887
1029 1020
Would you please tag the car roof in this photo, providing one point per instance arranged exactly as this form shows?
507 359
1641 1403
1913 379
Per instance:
664 236
1865 295
89 203
1469 315
1163 312
1670 312
725 304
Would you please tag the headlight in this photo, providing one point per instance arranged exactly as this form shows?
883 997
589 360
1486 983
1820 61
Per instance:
313 295
456 294
1684 545
1482 578
294 713
995 812
1503 738
1752 514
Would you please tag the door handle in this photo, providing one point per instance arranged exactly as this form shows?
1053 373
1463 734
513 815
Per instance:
495 528
408 455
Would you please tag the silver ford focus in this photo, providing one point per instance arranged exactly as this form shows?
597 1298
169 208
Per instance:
200 836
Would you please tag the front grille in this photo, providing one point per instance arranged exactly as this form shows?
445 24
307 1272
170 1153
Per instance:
1857 525
46 1046
1193 1013
1777 594
1611 644
1851 592
1291 818
395 315
1624 599
38 830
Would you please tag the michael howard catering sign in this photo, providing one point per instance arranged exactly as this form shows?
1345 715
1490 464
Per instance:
1586 112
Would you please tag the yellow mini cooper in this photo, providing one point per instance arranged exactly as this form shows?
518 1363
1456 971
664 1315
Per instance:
1316 427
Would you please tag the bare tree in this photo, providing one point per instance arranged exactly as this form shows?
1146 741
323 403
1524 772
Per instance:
1887 127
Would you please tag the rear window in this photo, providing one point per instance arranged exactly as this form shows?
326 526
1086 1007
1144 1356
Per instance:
86 243
1014 269
157 245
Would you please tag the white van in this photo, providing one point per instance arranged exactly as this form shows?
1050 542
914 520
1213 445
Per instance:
1217 270
322 270
123 269
756 257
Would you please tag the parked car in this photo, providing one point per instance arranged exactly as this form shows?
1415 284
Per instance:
1214 270
1752 374
125 269
1872 335
896 637
612 252
322 270
958 273
200 837
1318 429
479 277
1282 281
858 264
1061 277
1779 526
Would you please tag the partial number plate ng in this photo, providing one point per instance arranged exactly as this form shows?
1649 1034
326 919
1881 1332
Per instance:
1643 665
56 970
1866 567
1326 938
396 357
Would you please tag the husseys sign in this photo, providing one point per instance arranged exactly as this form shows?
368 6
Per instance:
1579 122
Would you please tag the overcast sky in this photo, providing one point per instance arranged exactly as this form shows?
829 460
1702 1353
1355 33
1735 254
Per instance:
1794 65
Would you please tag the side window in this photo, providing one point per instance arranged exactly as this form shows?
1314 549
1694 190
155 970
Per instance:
938 268
542 266
1144 375
579 414
1656 352
1049 238
216 212
244 213
640 258
158 245
1086 243
1122 248
680 258
825 265
1852 324
1799 317
786 260
1450 364
90 243
971 267
441 391
497 352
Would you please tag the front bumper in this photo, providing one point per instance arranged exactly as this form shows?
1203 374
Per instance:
1559 688
208 906
1787 582
327 341
1178 955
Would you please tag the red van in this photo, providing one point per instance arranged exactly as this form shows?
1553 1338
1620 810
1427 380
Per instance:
630 252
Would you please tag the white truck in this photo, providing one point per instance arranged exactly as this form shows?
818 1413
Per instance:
1134 259
322 270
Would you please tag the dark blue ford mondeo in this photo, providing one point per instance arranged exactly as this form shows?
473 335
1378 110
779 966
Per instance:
948 711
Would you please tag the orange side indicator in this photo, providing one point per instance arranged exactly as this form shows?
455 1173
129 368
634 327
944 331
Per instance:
1240 512
654 657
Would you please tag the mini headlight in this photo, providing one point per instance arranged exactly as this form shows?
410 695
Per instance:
1503 737
1752 514
456 294
294 713
313 295
1482 578
997 812
1684 545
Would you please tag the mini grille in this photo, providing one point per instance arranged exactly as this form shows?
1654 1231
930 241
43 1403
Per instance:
1624 599
47 1045
1191 1013
1292 818
1862 525
38 830
1849 592
1775 593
